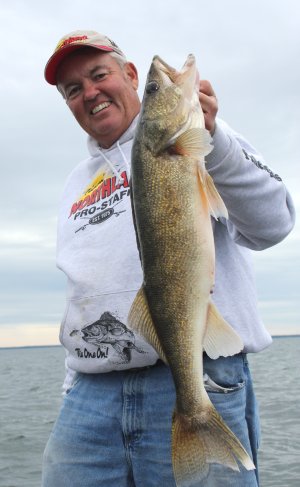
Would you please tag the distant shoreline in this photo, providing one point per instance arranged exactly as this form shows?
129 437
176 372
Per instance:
275 337
283 336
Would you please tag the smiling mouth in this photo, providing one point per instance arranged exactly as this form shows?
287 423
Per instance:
100 107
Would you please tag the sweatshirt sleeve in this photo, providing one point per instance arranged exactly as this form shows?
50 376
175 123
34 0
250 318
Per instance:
261 211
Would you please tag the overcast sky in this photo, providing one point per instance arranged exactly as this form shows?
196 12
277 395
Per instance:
249 50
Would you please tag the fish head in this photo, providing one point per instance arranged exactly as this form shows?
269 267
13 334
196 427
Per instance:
170 103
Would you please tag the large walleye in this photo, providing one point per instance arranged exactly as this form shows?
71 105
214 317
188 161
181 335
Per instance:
173 199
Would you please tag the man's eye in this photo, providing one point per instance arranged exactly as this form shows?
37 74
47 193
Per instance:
99 76
72 92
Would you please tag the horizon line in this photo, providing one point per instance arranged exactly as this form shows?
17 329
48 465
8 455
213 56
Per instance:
59 345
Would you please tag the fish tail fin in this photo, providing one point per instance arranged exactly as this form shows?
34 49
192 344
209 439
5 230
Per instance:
200 440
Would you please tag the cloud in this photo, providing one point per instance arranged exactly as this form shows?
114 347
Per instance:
281 317
22 335
247 49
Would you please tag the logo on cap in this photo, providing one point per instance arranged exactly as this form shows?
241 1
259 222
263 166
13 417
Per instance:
114 44
70 40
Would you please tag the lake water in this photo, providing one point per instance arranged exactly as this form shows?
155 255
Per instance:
30 397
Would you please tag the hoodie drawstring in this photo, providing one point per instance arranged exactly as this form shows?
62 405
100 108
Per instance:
124 157
119 178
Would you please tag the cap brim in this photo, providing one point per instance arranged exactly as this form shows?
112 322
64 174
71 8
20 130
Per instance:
59 56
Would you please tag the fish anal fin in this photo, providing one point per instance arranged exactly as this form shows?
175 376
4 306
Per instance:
140 320
220 338
194 142
201 440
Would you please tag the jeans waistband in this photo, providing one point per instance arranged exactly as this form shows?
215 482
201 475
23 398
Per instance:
159 362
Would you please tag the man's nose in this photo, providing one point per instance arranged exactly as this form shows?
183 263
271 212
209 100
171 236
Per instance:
90 90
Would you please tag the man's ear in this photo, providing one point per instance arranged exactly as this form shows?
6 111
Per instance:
132 73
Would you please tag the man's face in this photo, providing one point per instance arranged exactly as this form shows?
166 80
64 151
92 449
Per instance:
101 95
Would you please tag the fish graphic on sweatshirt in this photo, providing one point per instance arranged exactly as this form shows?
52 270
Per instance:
109 330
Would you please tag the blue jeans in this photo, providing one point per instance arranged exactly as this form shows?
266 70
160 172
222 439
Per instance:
114 429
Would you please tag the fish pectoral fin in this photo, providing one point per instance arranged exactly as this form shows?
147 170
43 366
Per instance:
216 205
201 440
195 142
140 320
220 338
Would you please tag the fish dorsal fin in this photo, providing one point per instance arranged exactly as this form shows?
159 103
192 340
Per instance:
140 320
216 205
194 142
220 338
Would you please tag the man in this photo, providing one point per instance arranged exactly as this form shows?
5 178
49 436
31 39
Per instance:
115 423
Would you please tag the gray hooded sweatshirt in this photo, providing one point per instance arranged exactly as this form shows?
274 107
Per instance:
98 253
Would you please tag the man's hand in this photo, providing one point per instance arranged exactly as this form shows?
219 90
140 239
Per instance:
209 104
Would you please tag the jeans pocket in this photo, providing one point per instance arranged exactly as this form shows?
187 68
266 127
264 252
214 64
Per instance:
73 385
212 386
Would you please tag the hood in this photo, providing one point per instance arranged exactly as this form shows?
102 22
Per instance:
93 145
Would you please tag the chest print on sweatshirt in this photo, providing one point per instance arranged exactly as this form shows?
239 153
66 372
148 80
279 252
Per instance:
100 200
108 330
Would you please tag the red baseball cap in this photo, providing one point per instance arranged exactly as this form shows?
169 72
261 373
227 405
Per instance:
73 41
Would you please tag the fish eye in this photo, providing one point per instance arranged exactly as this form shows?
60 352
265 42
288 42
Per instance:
152 87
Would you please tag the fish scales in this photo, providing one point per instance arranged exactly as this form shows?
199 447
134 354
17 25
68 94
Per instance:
173 198
168 219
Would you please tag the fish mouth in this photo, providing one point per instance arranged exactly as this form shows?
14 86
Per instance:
165 69
170 74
